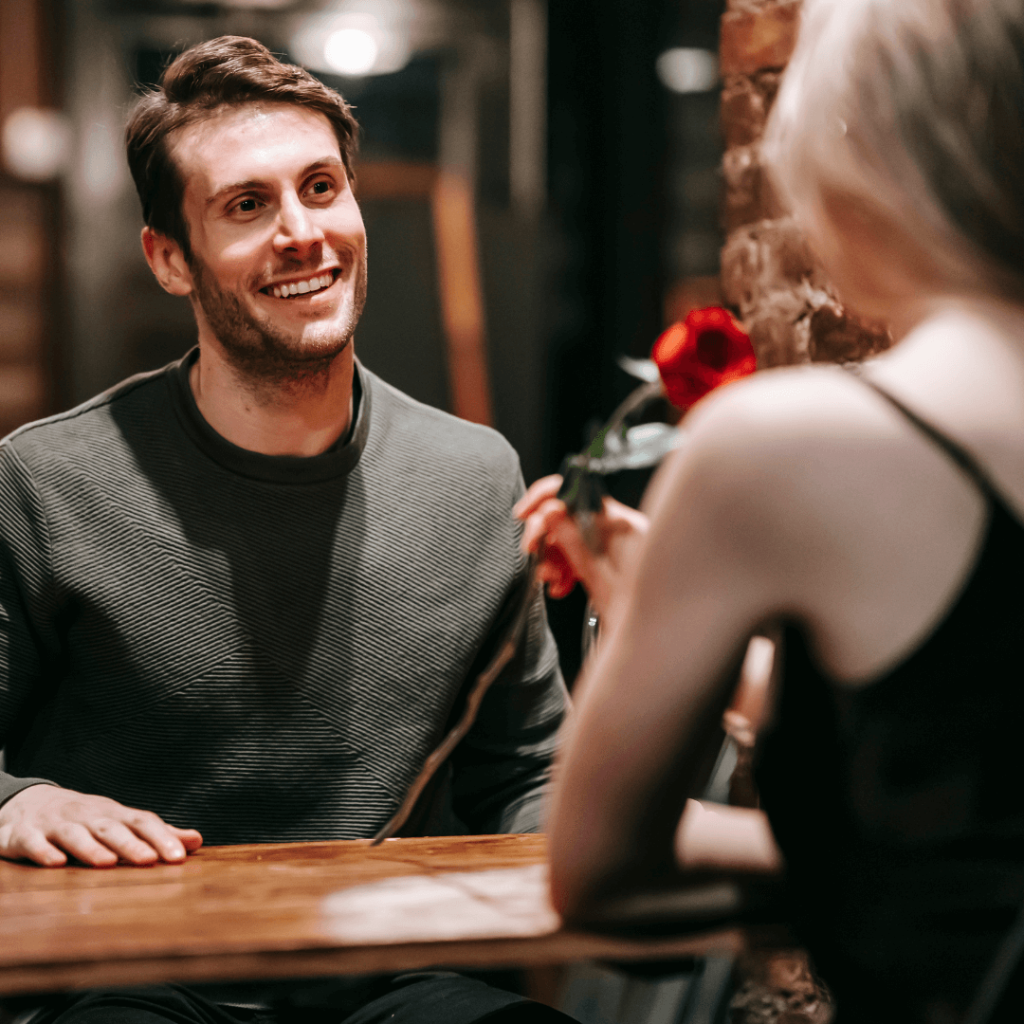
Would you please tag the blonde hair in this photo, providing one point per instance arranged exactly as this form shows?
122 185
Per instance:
915 110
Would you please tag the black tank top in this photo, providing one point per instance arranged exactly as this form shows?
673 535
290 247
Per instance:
899 806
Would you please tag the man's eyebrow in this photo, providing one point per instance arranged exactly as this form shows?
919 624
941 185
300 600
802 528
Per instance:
256 184
327 161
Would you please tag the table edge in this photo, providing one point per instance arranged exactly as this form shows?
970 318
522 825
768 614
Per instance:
558 948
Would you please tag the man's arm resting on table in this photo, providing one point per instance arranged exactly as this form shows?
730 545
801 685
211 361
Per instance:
39 821
45 824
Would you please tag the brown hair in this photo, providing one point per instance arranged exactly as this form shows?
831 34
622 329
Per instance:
228 71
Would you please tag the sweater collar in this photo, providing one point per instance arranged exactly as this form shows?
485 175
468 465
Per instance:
339 460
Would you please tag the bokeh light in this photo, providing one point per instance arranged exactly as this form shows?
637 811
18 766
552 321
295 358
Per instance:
351 51
686 69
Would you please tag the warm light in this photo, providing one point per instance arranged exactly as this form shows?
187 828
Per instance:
350 51
685 69
36 143
355 37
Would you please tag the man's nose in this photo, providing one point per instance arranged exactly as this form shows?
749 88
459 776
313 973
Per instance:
297 229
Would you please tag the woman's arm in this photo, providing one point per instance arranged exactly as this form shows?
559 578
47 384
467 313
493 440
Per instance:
800 494
665 671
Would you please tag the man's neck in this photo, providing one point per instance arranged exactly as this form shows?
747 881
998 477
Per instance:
305 419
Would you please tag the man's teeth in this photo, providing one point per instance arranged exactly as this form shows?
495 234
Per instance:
312 284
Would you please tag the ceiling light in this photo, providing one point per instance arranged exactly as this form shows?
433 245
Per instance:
350 51
353 39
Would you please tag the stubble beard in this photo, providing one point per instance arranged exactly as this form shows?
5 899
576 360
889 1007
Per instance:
267 360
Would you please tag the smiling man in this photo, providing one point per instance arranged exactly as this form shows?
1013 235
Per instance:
273 257
241 598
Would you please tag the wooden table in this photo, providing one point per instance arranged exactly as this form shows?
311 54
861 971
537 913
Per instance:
299 910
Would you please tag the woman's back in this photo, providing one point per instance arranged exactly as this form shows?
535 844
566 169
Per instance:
893 523
898 804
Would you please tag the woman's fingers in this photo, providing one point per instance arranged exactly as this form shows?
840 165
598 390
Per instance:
556 572
621 519
551 532
716 837
541 522
565 557
566 535
537 493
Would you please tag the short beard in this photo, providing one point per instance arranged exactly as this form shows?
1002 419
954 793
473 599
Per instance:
265 360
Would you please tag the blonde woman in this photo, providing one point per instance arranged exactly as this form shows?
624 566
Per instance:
877 519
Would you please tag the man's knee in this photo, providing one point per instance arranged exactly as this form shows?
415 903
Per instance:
527 1012
446 998
159 1004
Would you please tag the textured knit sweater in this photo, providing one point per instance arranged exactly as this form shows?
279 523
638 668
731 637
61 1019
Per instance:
266 648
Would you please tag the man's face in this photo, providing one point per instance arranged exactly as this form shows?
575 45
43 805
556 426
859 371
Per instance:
278 246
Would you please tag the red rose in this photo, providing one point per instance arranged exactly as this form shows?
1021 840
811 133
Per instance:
707 349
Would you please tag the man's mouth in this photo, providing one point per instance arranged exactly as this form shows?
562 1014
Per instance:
301 286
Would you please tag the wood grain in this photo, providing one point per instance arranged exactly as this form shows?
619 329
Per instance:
305 909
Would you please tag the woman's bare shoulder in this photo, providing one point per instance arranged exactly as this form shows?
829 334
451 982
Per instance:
774 435
774 405
818 491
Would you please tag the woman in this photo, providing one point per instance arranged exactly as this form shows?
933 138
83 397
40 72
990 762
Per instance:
877 518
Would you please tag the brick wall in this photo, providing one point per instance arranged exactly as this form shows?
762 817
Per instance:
769 277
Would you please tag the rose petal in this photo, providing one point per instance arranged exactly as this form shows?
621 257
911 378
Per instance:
703 352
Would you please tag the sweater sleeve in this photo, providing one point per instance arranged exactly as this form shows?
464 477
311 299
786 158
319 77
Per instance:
26 604
501 769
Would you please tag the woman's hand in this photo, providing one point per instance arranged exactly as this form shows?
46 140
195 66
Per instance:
717 837
566 557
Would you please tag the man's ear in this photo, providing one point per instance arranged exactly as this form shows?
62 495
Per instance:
167 262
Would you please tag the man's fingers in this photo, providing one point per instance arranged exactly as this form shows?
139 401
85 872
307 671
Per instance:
126 840
166 840
46 823
189 837
538 492
30 844
78 841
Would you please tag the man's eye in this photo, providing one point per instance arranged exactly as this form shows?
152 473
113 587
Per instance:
321 187
246 206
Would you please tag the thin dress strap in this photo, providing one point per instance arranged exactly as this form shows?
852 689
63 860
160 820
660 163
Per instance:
955 451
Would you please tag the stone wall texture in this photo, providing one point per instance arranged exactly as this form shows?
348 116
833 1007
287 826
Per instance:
769 276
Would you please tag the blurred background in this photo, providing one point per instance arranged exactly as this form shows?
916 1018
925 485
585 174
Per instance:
540 181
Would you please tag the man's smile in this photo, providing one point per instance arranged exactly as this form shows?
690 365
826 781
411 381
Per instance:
302 285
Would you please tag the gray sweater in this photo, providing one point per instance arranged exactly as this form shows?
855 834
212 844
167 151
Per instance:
266 648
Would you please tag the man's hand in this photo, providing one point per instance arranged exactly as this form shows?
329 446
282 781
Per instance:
45 824
566 556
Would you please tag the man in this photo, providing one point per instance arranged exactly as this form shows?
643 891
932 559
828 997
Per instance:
241 597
